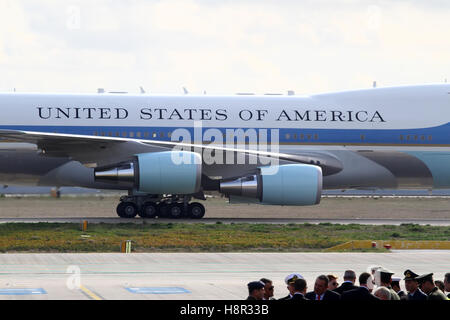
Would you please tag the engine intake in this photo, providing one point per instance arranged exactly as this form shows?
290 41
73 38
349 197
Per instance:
295 185
172 172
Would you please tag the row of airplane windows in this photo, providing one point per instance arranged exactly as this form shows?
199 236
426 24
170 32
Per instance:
288 136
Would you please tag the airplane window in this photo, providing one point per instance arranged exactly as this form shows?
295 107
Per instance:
95 133
401 137
154 135
422 137
288 136
430 138
110 134
302 136
169 135
131 134
161 135
117 134
416 137
124 134
295 136
102 134
308 136
146 134
316 136
362 137
138 134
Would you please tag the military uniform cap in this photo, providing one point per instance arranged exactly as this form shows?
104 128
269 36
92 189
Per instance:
385 271
425 277
409 275
255 285
292 277
396 279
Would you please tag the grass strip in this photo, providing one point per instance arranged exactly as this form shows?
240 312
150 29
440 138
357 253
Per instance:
178 237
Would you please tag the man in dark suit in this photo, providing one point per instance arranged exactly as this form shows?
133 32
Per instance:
299 290
321 291
362 293
349 282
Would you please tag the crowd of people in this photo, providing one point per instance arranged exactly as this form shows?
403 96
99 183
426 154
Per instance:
377 284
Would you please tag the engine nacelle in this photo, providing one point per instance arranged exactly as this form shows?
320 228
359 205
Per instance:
172 172
289 185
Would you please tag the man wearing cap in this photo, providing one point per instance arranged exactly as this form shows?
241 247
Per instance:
427 284
395 284
385 281
349 282
321 291
255 290
412 286
289 280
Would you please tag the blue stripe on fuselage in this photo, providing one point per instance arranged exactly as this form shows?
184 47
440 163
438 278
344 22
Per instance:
425 136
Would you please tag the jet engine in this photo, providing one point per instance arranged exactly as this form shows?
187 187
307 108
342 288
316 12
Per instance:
293 185
172 172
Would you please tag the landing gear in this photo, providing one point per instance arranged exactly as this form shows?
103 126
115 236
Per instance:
127 210
149 210
148 207
196 210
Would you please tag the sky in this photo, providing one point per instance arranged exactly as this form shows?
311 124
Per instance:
222 47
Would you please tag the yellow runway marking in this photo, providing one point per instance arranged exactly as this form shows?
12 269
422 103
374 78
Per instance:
90 293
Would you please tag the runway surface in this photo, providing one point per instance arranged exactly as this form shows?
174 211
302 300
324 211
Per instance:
116 220
192 276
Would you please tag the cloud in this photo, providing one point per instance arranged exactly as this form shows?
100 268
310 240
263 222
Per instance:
221 46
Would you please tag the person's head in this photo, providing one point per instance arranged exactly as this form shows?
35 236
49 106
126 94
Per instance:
300 286
256 289
290 279
268 288
321 285
447 282
365 280
383 293
350 275
411 283
385 277
426 282
332 282
395 284
440 285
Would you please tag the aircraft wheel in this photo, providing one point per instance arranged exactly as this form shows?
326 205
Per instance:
175 211
196 210
149 210
127 210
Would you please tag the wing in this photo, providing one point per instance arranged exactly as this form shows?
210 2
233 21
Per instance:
99 150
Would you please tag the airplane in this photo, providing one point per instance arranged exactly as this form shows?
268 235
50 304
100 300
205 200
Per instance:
165 151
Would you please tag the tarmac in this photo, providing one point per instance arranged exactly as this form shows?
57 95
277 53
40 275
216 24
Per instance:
188 276
116 220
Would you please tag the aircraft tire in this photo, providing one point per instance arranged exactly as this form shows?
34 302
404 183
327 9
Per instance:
175 211
127 210
196 210
149 210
